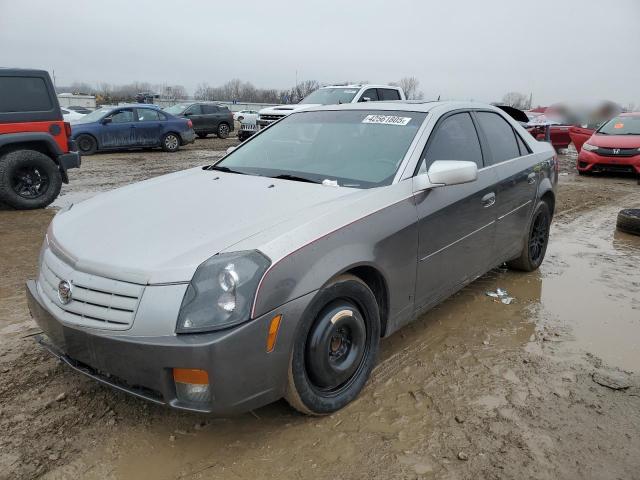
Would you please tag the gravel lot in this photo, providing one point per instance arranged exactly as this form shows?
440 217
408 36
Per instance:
474 389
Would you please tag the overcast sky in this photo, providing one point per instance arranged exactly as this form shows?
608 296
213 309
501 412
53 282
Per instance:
462 49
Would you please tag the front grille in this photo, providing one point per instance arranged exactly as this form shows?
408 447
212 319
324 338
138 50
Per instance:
96 302
617 152
271 117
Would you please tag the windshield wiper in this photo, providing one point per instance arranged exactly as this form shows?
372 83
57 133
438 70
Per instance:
295 178
226 170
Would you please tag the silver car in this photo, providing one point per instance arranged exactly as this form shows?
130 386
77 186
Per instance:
275 272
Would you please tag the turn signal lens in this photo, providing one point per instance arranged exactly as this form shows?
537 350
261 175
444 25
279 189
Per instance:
274 326
191 375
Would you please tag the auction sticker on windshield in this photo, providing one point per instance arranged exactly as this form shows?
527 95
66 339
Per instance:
386 119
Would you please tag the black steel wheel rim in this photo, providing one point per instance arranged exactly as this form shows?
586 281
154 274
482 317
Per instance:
539 236
336 348
85 144
29 182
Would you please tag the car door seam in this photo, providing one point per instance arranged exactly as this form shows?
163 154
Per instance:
458 240
515 209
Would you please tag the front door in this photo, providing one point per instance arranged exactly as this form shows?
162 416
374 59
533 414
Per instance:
117 130
194 113
456 223
517 182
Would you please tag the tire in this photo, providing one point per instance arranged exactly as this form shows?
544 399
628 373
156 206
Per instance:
170 142
536 242
87 144
223 130
335 348
28 180
202 135
629 221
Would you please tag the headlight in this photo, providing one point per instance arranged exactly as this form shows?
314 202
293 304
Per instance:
588 147
221 291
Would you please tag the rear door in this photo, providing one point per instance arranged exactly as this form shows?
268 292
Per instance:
517 181
212 115
118 131
150 127
456 223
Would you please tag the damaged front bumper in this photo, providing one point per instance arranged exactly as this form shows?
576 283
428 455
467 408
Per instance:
242 374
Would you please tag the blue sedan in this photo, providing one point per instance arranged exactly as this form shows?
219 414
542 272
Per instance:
131 126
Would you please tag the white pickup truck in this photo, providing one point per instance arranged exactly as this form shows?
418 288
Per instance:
332 95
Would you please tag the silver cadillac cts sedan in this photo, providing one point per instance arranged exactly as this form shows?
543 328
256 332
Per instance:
275 272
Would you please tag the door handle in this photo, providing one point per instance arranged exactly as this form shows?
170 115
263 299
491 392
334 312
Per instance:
531 178
489 199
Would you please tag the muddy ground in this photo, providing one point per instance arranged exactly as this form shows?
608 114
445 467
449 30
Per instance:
474 389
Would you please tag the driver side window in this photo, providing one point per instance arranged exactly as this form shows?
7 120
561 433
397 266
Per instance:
455 138
122 116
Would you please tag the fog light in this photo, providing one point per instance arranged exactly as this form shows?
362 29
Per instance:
192 385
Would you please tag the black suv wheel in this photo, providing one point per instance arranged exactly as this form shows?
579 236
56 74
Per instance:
223 130
87 144
28 179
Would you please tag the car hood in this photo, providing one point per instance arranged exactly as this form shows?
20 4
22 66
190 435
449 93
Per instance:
615 141
287 109
160 230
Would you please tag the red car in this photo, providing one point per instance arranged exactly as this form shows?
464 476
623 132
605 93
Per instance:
615 146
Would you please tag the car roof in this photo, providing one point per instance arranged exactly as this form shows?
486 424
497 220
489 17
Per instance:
362 85
22 71
405 105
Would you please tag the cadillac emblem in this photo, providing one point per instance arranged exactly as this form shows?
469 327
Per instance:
64 291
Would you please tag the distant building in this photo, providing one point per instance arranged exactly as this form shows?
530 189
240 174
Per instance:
76 100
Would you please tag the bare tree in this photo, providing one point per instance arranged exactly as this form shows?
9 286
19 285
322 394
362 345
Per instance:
516 100
410 85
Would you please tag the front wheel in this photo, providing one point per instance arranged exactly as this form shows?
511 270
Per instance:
223 130
170 142
202 135
536 242
28 179
335 349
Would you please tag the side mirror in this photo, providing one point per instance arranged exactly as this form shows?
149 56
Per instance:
365 99
187 114
105 121
230 149
452 172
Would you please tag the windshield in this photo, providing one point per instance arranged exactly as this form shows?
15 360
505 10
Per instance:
177 109
354 148
93 116
622 125
331 96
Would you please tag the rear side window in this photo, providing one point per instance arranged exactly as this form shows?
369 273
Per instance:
24 94
500 136
388 94
455 138
149 115
371 94
209 109
524 149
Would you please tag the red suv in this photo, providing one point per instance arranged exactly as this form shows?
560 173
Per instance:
35 145
615 146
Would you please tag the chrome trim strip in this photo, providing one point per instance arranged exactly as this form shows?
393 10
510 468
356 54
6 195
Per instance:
457 241
517 208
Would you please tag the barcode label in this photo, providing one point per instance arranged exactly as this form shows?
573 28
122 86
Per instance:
386 120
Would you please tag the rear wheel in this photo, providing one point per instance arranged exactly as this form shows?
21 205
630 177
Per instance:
336 348
87 144
170 142
535 245
28 179
223 130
